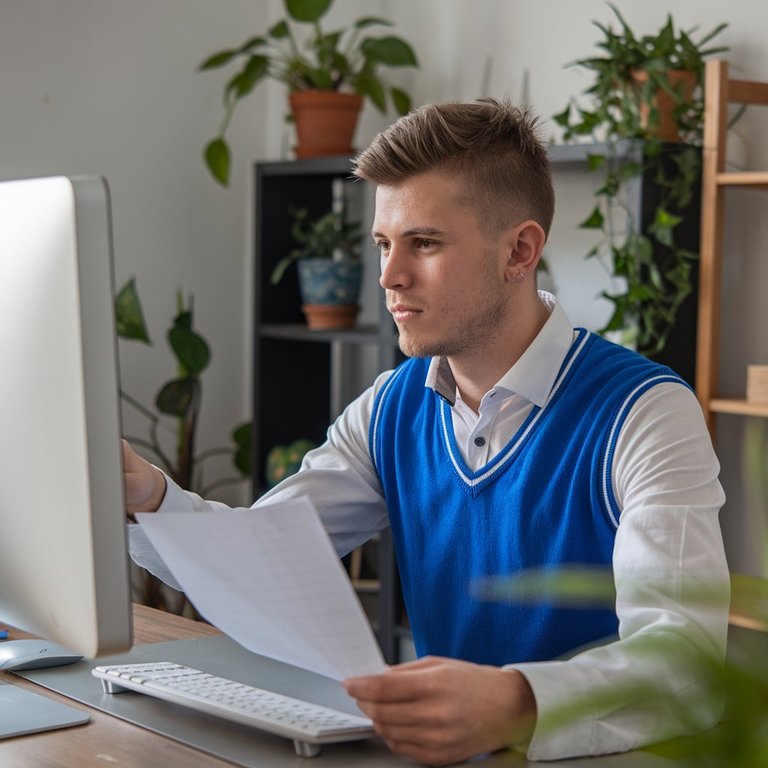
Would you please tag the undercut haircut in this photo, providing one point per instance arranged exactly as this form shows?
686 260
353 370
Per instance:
490 144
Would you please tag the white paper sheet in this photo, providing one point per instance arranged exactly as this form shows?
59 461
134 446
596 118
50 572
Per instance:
271 580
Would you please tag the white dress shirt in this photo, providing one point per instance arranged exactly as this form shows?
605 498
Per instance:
668 545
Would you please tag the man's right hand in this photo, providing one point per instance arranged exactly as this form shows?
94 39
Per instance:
144 484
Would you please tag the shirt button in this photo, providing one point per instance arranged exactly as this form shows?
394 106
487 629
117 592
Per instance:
479 442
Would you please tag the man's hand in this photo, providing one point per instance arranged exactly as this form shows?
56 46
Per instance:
440 711
144 484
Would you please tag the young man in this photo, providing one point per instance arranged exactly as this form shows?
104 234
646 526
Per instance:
511 441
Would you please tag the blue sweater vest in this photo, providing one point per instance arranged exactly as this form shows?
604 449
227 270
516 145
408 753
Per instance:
544 501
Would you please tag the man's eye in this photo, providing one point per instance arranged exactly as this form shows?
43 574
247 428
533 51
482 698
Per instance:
424 242
382 245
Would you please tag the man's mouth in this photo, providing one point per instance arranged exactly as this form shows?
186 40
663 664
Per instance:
401 312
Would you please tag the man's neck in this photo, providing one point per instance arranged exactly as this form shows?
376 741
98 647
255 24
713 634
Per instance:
478 370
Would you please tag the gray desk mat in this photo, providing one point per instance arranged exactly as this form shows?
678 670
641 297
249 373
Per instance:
236 743
249 747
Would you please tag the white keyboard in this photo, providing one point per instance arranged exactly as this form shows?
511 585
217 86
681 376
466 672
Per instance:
309 725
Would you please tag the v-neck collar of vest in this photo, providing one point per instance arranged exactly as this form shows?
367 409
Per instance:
475 478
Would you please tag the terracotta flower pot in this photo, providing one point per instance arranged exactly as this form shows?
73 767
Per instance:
325 122
682 82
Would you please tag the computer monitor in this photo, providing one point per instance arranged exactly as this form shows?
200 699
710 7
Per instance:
63 559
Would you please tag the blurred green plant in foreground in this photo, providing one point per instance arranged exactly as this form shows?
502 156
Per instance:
740 740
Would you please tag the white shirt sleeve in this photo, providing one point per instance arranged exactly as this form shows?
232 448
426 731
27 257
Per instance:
338 477
672 587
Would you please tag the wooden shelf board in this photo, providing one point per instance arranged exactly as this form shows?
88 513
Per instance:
746 621
739 407
366 585
743 179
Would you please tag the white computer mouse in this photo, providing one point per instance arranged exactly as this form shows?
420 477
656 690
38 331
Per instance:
33 654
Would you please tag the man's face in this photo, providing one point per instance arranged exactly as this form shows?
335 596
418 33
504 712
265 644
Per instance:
443 275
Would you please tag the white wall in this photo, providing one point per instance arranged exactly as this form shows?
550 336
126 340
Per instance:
108 86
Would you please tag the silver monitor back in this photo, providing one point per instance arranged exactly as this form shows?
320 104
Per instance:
63 560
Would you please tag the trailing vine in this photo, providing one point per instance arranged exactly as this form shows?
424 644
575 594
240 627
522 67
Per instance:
624 118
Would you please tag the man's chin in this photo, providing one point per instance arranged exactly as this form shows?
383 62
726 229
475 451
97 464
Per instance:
411 347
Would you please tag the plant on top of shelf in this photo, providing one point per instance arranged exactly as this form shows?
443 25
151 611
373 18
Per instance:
647 107
328 256
339 62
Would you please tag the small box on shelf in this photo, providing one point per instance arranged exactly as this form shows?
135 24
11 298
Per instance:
757 383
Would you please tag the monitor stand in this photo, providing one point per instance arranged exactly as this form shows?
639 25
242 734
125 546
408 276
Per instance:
22 711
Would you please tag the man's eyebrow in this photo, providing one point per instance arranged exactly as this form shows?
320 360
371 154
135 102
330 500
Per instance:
414 232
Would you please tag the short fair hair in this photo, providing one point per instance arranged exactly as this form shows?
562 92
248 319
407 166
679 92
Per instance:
491 144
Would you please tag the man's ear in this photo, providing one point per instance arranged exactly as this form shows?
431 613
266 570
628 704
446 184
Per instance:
523 245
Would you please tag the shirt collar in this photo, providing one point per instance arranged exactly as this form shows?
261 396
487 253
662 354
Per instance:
534 373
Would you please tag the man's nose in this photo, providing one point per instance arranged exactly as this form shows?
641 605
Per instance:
393 269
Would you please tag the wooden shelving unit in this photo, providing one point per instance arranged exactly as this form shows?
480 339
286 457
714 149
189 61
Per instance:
720 91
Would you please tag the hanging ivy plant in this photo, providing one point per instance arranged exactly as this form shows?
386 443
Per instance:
631 82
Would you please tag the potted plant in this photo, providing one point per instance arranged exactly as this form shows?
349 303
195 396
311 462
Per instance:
328 258
328 75
178 403
647 112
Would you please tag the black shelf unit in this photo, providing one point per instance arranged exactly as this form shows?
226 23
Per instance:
297 390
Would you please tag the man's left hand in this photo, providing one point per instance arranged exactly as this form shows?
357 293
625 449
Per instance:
440 711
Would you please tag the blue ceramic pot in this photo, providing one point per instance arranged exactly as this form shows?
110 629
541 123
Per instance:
324 281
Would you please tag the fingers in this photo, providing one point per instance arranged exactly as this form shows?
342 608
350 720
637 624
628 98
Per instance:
402 683
144 484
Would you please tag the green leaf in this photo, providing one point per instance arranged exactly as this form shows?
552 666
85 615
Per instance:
183 317
218 60
391 51
401 101
177 396
319 78
369 21
563 118
279 270
629 171
307 10
129 315
595 161
666 219
279 31
218 160
595 220
190 348
241 436
664 236
254 70
369 85
254 42
326 45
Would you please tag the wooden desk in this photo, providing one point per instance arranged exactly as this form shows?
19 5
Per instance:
109 741
106 740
